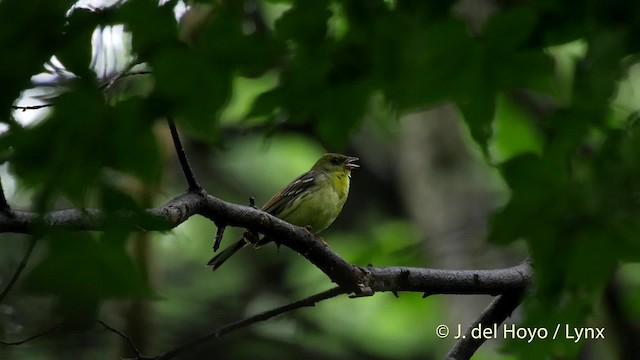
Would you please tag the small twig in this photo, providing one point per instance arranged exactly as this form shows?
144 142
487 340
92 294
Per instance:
222 227
127 70
137 73
182 156
33 337
104 87
21 266
107 86
124 336
4 205
219 235
31 107
307 302
499 309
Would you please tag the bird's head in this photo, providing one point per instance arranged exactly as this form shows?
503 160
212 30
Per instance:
336 162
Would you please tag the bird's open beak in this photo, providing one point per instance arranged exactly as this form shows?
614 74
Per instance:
351 163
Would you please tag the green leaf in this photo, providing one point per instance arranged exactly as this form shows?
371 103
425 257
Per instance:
78 119
75 55
530 69
535 185
571 312
104 138
226 44
266 103
25 47
196 96
305 22
476 97
132 143
83 271
423 67
152 27
591 262
341 111
81 265
511 30
596 75
514 132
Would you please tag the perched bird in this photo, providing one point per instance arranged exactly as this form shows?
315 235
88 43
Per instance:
314 200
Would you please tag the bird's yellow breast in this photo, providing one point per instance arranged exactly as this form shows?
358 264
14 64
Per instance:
320 208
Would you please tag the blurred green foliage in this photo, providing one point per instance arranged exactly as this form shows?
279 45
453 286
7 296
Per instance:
314 67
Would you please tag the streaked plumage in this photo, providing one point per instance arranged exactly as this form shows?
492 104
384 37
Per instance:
314 199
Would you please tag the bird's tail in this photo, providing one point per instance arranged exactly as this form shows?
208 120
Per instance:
219 259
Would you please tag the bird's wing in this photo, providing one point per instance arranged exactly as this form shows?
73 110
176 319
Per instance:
301 184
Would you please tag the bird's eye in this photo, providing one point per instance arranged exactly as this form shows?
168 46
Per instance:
335 160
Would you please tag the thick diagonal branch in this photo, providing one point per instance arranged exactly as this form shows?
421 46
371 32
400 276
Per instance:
300 240
350 278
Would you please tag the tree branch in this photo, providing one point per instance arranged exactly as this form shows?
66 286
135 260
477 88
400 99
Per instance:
32 337
218 239
165 217
31 107
21 266
499 309
352 278
182 156
124 336
125 73
411 279
437 281
306 302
